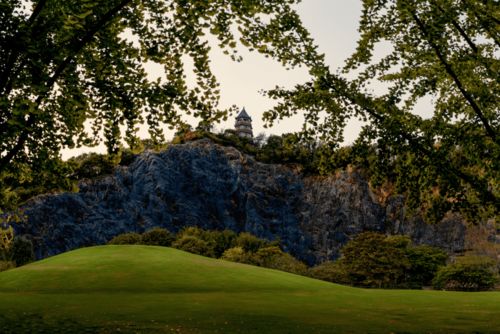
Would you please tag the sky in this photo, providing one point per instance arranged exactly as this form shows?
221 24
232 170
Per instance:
332 23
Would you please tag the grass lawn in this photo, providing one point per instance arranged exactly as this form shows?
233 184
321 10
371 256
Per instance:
141 289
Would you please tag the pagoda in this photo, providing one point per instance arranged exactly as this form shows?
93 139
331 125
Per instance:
243 125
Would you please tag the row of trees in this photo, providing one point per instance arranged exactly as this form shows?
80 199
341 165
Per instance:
376 260
228 245
369 260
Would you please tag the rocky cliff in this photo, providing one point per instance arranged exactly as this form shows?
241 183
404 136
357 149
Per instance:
214 187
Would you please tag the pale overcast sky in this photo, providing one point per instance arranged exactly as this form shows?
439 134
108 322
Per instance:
332 23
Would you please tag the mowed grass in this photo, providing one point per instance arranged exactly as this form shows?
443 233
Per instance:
141 289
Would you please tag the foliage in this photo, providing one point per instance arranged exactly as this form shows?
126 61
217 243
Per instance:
263 254
444 50
6 240
469 273
154 237
191 244
243 248
425 262
72 73
372 261
330 271
6 265
375 260
249 242
21 251
130 238
219 241
235 254
273 257
91 165
157 237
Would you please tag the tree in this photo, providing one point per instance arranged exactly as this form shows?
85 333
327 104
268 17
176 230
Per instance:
374 260
443 49
468 273
72 72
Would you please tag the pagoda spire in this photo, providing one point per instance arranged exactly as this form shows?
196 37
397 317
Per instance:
243 124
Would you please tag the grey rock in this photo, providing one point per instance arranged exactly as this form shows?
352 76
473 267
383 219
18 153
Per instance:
215 187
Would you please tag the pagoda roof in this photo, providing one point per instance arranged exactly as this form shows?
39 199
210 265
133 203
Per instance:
243 114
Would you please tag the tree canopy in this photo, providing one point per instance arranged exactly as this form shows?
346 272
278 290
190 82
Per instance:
445 50
72 72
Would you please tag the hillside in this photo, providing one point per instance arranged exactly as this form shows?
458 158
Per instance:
130 289
215 187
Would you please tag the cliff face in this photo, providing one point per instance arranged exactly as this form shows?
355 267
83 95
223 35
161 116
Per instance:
213 187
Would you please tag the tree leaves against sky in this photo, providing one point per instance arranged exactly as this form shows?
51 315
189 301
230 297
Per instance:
66 66
444 49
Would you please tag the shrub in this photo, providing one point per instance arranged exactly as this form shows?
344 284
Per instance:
375 260
219 241
331 272
191 231
235 254
249 242
269 257
191 244
216 241
424 263
6 265
273 257
91 165
21 251
131 238
157 237
6 240
469 273
372 260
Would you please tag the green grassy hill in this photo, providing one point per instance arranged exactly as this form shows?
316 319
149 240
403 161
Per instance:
141 289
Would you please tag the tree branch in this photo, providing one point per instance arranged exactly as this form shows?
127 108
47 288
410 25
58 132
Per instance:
106 18
4 77
469 42
494 36
489 130
340 88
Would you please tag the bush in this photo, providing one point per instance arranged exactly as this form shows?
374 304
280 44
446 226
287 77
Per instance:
469 273
191 231
372 260
157 237
235 254
375 260
425 261
269 257
331 272
191 244
6 265
273 257
219 241
131 238
216 241
249 242
91 165
21 251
